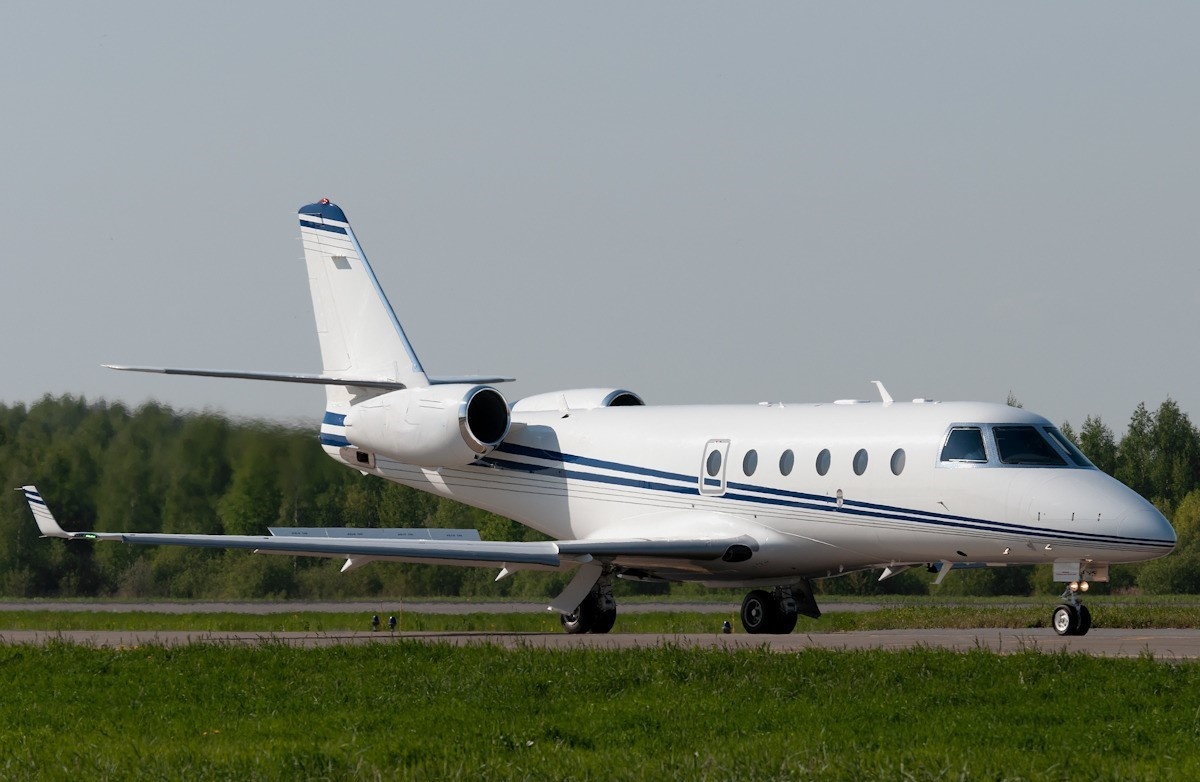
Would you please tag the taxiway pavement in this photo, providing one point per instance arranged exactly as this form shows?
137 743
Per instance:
1174 645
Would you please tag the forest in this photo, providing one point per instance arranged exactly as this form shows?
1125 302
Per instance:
105 467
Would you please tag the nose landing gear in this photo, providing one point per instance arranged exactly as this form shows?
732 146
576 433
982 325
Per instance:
1072 617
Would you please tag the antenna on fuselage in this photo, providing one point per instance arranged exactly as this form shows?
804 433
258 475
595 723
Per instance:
883 392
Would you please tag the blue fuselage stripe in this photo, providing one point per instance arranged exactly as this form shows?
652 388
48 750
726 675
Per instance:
334 419
614 480
583 461
334 440
781 497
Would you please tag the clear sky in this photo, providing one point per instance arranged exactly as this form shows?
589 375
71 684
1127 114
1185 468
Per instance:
702 202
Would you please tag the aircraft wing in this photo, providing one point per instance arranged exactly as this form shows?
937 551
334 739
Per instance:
450 547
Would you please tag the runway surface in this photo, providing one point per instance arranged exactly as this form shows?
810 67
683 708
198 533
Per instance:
375 607
1174 645
353 606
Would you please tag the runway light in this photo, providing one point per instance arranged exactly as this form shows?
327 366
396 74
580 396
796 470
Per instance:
1074 587
1083 586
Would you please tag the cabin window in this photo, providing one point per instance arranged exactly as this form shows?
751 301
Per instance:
860 461
750 462
787 461
1025 445
898 461
713 465
965 444
823 462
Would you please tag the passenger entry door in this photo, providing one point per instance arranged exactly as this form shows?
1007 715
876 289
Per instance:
712 467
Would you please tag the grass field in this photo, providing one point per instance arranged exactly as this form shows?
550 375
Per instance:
415 710
900 616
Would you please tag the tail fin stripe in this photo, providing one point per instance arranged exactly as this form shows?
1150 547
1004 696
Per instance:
318 226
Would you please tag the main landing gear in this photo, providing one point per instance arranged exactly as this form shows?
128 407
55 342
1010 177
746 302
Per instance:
776 612
596 614
1072 617
763 612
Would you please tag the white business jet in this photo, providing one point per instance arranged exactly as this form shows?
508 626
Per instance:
766 497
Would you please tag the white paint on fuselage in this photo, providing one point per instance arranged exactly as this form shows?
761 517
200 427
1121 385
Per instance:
634 472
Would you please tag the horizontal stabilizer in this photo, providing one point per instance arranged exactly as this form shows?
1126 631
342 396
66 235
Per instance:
320 380
279 377
468 380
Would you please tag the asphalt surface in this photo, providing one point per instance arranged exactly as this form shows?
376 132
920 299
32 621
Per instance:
373 607
1161 644
1173 645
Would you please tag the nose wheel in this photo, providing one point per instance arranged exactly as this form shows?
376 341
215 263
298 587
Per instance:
1071 617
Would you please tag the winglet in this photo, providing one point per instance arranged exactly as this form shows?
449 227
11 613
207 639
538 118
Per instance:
49 525
42 515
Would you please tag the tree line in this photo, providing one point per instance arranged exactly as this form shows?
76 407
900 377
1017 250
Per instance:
106 467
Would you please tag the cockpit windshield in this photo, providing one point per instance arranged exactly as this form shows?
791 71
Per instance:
1028 445
1025 445
1072 451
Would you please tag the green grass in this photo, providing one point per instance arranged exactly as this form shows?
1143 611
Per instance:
411 710
907 616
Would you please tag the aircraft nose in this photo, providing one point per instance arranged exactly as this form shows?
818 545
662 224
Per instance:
1147 523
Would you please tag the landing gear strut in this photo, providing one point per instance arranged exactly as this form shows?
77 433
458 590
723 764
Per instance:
776 612
1071 617
596 614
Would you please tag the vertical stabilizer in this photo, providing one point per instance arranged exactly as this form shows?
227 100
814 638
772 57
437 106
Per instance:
359 332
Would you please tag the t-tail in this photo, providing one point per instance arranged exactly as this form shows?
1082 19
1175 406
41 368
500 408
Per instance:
360 335
370 371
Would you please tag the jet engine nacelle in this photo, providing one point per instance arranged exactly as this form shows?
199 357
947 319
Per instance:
437 426
577 399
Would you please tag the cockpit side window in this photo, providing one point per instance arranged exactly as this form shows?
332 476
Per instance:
1073 452
965 444
1025 445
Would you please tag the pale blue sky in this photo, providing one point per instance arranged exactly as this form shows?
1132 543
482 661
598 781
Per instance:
703 202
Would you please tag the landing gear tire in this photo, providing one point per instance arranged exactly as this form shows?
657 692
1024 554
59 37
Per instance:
596 614
1071 619
604 621
1085 620
1065 620
763 612
757 612
786 624
579 621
